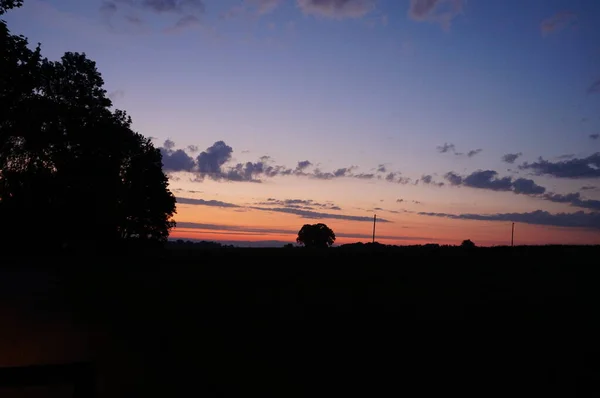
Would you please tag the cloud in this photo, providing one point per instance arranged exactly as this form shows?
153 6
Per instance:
342 172
487 179
446 148
255 7
578 219
453 178
336 8
249 171
566 156
396 177
237 228
169 144
594 136
452 148
186 190
187 21
289 206
161 6
421 9
305 207
165 6
175 160
202 202
263 6
116 94
364 176
134 20
474 152
262 230
559 198
511 157
234 11
318 215
108 8
305 204
381 168
428 180
189 11
588 167
215 163
526 186
595 87
557 22
302 165
211 160
439 11
574 199
210 163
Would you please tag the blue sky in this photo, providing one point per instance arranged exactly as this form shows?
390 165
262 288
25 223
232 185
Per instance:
358 83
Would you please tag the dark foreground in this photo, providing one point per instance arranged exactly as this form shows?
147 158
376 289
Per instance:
298 323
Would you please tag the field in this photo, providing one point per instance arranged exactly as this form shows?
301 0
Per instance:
368 321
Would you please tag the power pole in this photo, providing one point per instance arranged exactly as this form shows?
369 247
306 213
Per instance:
512 236
374 221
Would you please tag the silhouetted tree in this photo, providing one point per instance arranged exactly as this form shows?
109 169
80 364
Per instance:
316 235
6 5
467 244
71 168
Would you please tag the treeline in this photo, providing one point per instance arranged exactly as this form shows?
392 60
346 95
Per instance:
73 172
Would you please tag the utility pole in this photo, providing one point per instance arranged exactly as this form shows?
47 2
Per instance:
512 236
374 221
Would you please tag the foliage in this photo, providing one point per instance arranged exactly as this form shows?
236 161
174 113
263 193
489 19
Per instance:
316 235
71 168
467 244
6 5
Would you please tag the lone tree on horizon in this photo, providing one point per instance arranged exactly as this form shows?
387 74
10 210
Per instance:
316 236
71 168
468 244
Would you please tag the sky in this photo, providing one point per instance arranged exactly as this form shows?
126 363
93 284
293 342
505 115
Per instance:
448 119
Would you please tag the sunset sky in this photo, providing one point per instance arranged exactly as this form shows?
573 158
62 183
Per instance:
449 119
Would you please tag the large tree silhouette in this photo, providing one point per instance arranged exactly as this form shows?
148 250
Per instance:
316 235
71 168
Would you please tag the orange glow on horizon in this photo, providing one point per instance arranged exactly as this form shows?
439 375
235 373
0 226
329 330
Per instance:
237 224
439 230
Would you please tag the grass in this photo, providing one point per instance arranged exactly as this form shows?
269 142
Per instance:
292 322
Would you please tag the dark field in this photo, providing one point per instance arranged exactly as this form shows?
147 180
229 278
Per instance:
293 322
